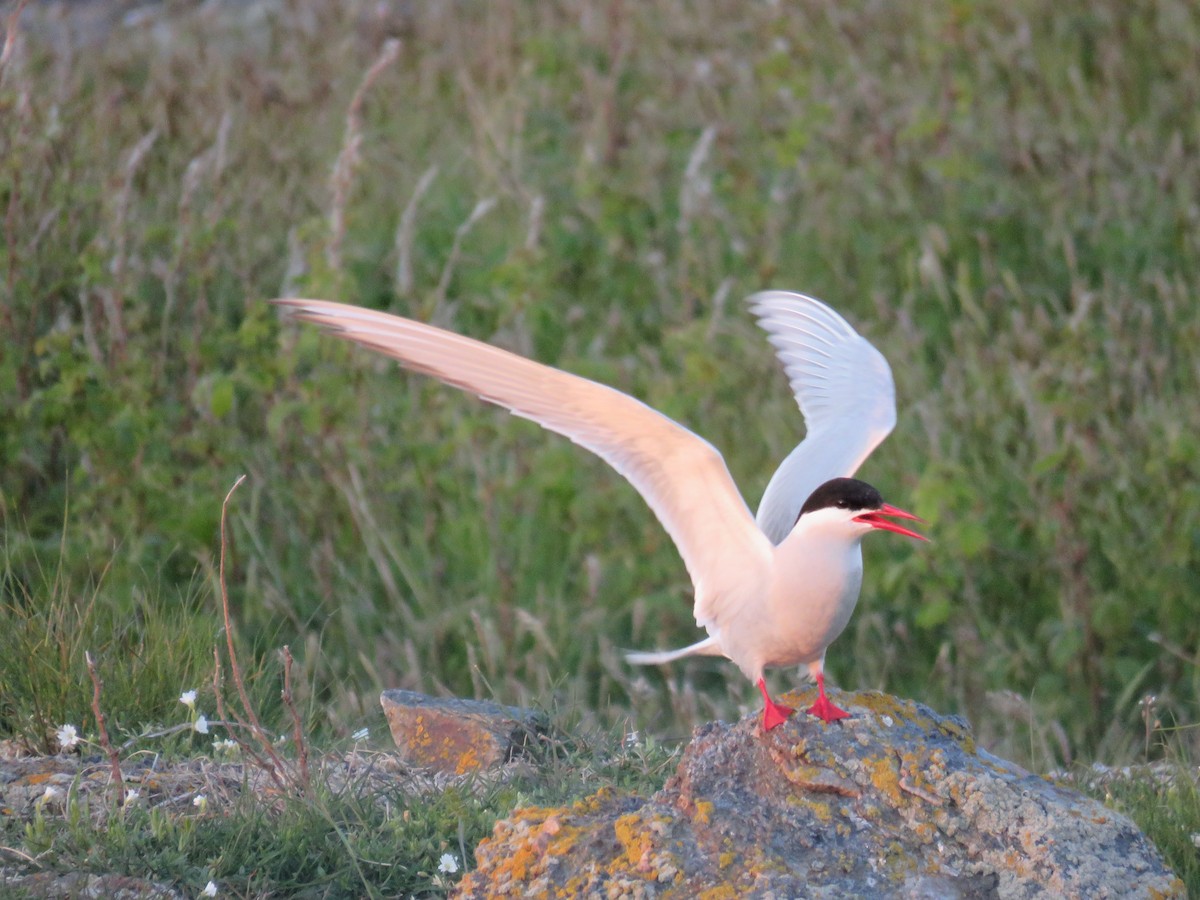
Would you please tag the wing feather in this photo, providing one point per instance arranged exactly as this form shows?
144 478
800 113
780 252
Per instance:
681 476
845 391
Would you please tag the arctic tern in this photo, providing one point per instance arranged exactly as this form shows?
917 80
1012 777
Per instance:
770 593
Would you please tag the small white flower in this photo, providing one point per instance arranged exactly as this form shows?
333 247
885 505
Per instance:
361 735
131 796
210 890
448 864
50 793
201 724
200 802
188 699
224 745
67 736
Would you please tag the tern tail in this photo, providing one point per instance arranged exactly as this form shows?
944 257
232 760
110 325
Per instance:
706 647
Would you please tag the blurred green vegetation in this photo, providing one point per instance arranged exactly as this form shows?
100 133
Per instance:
1001 196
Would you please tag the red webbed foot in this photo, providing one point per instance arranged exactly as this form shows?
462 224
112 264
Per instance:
823 709
774 714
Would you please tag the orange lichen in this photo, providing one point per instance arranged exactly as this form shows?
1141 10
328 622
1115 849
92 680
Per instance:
634 837
704 810
594 802
420 735
925 831
886 779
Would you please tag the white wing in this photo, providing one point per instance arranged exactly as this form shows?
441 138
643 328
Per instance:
681 476
845 391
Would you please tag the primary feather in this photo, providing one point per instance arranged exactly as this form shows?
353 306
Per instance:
844 388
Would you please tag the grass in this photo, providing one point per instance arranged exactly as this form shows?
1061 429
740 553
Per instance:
363 827
1001 197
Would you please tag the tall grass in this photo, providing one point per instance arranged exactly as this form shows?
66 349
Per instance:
1002 197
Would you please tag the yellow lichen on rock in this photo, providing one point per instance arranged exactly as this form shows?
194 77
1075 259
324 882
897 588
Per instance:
892 802
886 778
633 837
721 892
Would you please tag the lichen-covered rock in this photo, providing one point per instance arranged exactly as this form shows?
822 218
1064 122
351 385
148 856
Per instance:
453 736
896 801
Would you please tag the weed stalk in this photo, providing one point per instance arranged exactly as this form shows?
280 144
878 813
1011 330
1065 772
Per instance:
114 756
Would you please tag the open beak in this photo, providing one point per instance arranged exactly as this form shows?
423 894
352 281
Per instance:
875 520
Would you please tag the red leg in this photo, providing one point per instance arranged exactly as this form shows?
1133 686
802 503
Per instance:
823 709
774 715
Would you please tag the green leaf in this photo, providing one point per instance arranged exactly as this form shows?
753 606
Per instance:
221 401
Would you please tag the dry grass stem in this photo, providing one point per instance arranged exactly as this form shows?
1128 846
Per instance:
297 725
11 27
275 772
114 757
252 723
482 208
347 161
406 232
112 294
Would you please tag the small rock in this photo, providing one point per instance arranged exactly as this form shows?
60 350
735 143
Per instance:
894 802
454 736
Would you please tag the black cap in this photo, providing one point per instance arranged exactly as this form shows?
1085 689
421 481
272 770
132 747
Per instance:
843 493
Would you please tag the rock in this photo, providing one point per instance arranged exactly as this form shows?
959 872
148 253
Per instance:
896 801
454 736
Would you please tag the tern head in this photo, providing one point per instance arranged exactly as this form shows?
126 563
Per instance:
859 505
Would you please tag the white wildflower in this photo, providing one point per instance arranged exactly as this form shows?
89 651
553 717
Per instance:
361 735
200 802
201 724
67 736
188 699
224 745
210 890
131 796
448 864
50 793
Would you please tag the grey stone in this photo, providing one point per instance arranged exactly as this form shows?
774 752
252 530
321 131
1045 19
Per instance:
454 736
896 801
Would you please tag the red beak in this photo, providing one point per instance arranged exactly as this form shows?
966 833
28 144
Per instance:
875 520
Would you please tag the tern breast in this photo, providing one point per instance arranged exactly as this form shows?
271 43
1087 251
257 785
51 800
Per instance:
814 592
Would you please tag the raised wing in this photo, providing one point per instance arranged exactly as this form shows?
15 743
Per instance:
681 476
845 391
